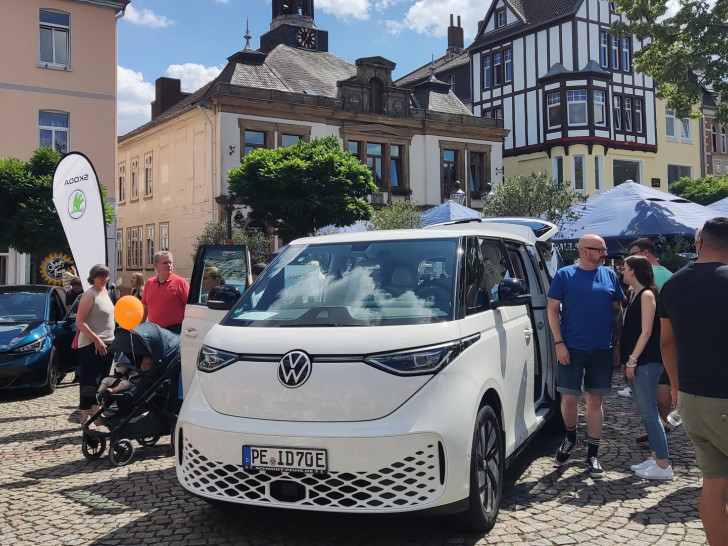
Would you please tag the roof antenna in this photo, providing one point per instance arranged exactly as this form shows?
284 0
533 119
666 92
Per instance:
432 68
247 35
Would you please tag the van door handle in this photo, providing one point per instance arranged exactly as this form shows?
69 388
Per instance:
528 332
190 332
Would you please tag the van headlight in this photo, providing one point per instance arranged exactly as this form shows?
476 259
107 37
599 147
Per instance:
211 360
426 360
31 347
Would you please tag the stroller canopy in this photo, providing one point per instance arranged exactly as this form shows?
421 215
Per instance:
146 339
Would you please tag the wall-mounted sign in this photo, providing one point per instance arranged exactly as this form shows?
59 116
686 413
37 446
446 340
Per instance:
51 268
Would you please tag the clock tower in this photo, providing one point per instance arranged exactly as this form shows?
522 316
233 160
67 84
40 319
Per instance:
293 25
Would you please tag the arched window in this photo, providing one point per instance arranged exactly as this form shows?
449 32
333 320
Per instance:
714 138
376 96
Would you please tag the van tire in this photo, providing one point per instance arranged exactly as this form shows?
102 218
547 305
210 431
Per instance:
487 465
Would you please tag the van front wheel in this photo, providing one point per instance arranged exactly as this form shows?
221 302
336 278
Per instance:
486 472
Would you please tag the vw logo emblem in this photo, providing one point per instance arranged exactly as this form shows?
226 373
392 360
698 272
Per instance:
294 369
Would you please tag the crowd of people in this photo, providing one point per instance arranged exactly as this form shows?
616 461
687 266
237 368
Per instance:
666 334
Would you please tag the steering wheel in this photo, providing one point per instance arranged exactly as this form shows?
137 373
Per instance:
433 289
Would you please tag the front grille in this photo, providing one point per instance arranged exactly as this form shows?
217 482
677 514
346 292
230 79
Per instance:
410 482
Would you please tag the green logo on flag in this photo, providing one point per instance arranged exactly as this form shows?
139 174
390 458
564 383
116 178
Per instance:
76 204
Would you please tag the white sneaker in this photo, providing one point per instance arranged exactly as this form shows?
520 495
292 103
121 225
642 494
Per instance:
625 393
644 465
656 473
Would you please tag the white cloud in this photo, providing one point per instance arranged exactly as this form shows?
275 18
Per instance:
134 99
433 17
222 1
350 9
145 17
382 5
192 75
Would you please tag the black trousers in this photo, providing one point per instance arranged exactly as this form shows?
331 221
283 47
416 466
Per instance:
93 369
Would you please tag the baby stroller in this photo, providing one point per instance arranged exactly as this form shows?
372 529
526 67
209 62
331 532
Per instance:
146 411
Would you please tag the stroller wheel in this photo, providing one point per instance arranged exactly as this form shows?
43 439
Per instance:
93 448
149 440
121 452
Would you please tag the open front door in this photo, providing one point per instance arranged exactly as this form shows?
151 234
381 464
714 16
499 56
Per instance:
215 265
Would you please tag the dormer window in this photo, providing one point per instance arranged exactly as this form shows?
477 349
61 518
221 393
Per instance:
500 18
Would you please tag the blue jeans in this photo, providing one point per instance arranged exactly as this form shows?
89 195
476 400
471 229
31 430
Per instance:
644 387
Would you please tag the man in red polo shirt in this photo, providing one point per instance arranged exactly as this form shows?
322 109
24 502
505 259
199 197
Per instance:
165 295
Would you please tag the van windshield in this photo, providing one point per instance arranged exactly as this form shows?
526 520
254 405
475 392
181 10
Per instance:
353 284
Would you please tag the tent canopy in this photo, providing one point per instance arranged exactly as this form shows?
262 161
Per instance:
720 206
632 210
447 212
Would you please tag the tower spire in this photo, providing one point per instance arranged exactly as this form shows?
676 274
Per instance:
247 35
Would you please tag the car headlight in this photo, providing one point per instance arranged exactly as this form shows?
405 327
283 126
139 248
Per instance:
425 360
33 346
211 360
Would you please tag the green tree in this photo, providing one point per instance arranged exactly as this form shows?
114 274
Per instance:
301 188
215 233
28 219
398 215
535 195
704 191
687 50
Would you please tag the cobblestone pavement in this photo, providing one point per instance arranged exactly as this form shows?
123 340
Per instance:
50 494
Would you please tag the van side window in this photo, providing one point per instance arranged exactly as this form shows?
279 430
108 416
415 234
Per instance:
497 266
519 271
475 294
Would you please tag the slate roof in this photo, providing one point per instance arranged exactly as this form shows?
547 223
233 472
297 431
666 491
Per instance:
436 96
443 64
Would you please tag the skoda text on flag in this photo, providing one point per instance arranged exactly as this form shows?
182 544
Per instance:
77 197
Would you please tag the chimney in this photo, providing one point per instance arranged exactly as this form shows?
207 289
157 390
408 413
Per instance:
167 93
455 40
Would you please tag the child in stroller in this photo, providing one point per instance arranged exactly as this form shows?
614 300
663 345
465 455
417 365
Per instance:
147 409
125 377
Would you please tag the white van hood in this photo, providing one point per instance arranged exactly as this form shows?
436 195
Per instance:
341 387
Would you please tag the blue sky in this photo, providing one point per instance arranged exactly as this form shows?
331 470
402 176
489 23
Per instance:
191 39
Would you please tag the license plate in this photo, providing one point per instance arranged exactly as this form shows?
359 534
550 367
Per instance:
285 458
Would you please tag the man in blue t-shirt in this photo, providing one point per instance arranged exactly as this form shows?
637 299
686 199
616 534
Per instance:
585 317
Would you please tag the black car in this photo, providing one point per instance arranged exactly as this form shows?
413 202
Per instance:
36 332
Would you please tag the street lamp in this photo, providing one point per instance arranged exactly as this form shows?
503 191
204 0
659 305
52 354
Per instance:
486 191
229 208
457 195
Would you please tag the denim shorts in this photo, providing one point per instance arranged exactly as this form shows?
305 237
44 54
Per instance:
593 368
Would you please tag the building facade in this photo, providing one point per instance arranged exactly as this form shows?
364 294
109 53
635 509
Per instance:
715 142
172 171
58 88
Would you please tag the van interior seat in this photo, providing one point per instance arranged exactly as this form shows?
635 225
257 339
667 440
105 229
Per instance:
403 279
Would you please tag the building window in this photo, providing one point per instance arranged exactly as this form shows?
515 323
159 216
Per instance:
374 162
628 114
288 135
376 96
494 113
638 116
626 55
558 169
623 170
487 72
449 171
615 53
395 165
149 261
676 172
576 107
355 149
122 182
148 175
53 127
604 49
119 248
497 67
452 82
134 178
478 175
598 172
579 177
612 6
600 109
55 34
508 56
553 106
722 140
163 237
289 140
714 138
618 113
670 130
686 133
253 140
134 247
500 17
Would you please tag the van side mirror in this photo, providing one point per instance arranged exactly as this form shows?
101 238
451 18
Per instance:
222 297
512 292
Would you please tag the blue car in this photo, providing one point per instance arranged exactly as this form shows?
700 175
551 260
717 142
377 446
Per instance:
36 332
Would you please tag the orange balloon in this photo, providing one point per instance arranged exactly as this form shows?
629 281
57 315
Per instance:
128 312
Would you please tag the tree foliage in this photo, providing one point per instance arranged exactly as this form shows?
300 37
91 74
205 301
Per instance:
28 219
703 191
301 188
687 49
398 215
215 233
535 195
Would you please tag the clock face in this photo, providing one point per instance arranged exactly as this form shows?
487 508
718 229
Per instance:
306 37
